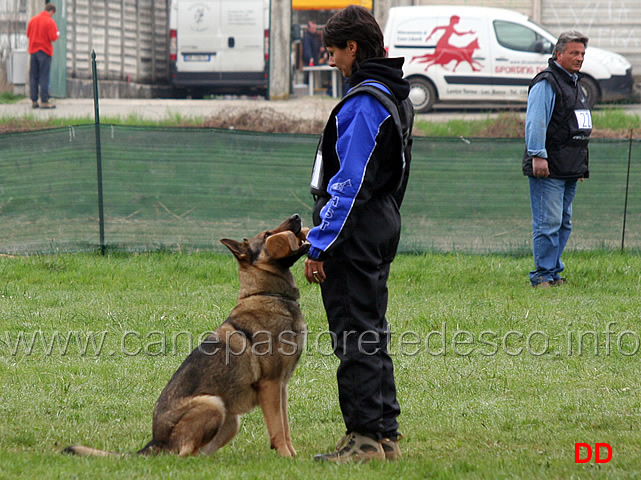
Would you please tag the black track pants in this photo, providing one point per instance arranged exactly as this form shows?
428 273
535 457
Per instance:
355 299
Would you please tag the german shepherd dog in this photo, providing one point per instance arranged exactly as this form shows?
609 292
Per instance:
246 362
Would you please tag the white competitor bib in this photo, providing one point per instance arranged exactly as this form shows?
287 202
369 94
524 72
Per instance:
584 119
318 168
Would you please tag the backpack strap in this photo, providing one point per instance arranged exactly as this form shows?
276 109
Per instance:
382 93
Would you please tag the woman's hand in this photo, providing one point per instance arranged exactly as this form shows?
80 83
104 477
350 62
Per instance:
314 272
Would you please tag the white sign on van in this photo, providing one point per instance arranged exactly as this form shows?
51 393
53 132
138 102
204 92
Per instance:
242 17
199 13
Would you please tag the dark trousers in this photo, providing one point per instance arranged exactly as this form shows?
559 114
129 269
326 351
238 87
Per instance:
355 299
39 69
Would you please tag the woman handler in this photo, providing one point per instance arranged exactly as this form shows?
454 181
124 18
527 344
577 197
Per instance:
359 180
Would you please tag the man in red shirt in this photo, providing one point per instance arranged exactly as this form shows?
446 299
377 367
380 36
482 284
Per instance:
42 31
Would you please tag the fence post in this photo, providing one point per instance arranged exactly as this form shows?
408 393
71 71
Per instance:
101 215
627 188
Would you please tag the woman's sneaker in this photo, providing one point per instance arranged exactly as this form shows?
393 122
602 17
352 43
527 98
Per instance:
354 447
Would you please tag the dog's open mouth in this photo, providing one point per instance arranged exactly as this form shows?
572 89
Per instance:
302 237
298 241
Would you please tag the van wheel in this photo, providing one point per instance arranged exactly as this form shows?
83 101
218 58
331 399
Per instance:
591 90
422 94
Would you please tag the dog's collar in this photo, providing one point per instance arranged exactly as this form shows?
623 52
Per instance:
269 294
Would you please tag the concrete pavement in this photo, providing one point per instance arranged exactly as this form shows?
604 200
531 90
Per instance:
304 108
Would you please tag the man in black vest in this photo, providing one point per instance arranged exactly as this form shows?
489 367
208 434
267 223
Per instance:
557 130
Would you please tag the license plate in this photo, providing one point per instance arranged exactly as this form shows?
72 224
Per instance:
196 58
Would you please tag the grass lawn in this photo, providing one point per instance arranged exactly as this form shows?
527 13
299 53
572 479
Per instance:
495 379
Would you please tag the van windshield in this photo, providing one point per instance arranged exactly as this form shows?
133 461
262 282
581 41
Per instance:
519 37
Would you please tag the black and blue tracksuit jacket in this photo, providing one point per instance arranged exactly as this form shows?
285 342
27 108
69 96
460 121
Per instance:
364 152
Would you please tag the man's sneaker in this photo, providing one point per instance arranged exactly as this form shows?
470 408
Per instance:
354 448
559 281
35 105
391 449
47 105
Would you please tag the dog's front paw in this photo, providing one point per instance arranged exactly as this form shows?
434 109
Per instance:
284 451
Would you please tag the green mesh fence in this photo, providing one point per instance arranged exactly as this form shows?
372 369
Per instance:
185 189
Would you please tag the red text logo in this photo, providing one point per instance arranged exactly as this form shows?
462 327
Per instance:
583 453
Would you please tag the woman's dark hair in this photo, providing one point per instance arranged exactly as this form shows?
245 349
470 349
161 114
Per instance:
358 24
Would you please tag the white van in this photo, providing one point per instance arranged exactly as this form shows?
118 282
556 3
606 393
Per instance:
219 46
463 54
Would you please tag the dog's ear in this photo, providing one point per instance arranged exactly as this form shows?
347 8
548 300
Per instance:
281 245
239 249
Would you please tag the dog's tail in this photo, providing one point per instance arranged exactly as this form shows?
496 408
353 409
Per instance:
83 451
152 448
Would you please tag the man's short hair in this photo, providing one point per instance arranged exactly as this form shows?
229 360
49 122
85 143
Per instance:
50 7
568 37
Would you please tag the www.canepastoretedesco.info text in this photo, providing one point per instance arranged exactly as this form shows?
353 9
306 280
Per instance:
602 340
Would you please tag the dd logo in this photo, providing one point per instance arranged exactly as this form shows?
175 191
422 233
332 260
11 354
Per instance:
597 453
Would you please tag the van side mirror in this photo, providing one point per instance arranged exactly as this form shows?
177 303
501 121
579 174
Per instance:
543 46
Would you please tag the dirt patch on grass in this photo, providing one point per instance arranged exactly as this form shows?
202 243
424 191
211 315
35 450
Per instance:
513 126
265 120
505 126
22 125
268 120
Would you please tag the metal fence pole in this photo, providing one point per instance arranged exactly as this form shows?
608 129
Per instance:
101 215
627 189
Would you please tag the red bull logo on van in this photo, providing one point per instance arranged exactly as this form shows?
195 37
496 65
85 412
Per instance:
445 52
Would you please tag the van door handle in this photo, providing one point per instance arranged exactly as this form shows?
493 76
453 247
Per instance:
502 59
231 42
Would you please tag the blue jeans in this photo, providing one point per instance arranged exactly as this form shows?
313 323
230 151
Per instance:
39 69
551 201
